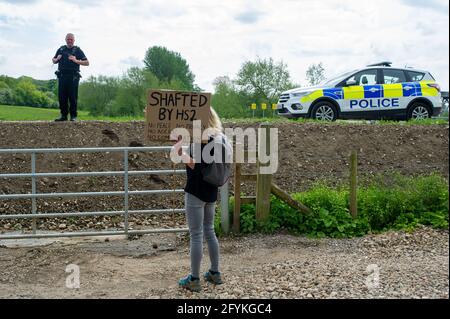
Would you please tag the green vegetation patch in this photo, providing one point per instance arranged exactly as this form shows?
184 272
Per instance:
398 203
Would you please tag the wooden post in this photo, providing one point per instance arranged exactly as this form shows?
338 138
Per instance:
353 181
278 192
263 181
237 198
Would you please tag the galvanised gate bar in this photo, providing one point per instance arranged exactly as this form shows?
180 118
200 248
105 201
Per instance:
126 193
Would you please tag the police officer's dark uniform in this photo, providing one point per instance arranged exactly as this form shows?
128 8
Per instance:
68 78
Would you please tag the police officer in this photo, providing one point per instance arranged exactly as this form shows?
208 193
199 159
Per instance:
69 59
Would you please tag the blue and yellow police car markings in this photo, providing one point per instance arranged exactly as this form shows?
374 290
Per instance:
334 93
393 90
311 96
373 91
373 96
412 89
374 103
428 90
353 92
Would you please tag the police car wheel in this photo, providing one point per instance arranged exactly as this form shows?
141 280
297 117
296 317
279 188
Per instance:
324 111
418 111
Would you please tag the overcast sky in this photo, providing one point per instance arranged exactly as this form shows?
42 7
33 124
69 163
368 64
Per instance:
216 37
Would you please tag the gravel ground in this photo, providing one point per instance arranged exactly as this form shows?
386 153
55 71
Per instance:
388 265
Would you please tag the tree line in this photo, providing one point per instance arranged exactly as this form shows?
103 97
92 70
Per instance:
259 81
28 91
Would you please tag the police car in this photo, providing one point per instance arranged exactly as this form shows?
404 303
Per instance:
377 91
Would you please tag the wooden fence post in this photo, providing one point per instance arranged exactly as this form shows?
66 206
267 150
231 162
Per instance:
263 181
353 184
237 198
278 192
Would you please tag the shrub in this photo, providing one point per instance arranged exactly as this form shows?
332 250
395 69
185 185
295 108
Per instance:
403 203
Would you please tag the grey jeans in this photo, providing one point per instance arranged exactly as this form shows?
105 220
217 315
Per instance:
200 218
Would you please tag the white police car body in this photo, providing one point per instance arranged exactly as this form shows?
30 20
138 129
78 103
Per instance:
377 91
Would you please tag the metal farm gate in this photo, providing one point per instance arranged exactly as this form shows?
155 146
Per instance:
126 193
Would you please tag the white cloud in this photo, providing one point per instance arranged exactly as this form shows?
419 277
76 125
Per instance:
217 37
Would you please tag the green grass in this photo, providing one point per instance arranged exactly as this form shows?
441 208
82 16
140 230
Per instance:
26 113
416 122
275 119
379 122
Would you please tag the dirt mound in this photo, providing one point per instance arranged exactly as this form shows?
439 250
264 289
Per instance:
307 152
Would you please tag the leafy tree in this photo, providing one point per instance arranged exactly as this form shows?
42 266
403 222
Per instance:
11 82
122 96
131 97
97 94
3 85
315 74
263 80
26 93
168 66
52 86
6 96
226 99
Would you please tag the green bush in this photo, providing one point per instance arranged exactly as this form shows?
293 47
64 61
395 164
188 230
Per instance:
28 91
398 203
404 201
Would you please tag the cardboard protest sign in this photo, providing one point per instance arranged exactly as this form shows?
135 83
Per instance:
167 110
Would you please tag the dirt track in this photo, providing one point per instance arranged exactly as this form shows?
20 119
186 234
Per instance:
277 266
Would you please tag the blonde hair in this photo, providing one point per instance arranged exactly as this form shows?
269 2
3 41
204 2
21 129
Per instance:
214 122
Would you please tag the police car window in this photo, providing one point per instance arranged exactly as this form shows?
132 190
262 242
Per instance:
366 77
336 79
415 76
393 76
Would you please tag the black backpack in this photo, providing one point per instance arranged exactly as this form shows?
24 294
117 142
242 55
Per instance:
218 173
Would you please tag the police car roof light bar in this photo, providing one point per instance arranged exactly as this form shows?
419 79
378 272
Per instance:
384 63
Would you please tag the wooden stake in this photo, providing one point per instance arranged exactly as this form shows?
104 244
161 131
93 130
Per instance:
353 186
237 198
281 194
263 181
